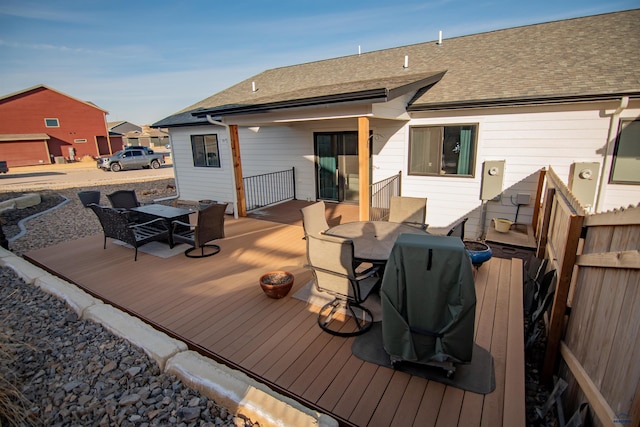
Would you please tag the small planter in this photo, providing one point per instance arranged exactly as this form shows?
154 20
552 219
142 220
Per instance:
478 252
502 225
276 284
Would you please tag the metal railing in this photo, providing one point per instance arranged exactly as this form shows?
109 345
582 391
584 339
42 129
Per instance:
269 188
381 193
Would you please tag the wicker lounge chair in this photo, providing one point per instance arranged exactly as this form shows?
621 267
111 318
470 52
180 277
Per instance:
210 226
115 224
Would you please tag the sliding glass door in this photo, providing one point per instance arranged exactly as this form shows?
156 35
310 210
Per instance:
337 166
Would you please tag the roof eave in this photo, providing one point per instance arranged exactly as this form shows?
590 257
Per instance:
519 102
370 95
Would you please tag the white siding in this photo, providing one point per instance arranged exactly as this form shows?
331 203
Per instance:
202 183
526 138
273 149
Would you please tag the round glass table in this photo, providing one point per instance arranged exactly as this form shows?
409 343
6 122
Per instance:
372 240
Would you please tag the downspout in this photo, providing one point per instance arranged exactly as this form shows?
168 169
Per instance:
233 177
606 167
175 174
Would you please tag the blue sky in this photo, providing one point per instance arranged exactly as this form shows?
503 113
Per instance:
144 60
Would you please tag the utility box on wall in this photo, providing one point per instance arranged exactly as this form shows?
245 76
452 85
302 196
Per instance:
492 177
583 181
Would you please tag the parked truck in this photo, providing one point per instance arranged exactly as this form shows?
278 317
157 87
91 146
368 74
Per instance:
130 159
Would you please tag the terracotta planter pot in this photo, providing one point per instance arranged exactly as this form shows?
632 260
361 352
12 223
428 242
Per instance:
276 284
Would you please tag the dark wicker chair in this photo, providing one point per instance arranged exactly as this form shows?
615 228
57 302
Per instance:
115 225
458 229
123 200
209 226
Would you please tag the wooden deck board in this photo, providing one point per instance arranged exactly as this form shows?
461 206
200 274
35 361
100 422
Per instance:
408 407
216 304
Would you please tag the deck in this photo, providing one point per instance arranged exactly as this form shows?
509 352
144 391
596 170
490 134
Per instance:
216 306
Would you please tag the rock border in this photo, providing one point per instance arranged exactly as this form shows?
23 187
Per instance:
216 381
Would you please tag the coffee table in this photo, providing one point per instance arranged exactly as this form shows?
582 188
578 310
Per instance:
167 213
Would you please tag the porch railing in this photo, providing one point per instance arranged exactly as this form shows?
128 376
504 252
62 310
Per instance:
269 188
381 193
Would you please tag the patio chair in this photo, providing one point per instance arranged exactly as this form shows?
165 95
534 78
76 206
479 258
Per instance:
209 226
314 220
115 225
331 260
124 200
409 210
458 229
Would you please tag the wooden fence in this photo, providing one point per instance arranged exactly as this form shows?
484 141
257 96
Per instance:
594 323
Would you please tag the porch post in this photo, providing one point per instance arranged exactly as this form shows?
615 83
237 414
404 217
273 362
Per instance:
237 170
363 167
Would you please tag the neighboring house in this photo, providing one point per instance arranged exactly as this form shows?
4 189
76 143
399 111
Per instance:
40 125
144 135
117 131
447 114
121 127
147 137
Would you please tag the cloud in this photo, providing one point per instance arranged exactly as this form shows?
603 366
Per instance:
39 11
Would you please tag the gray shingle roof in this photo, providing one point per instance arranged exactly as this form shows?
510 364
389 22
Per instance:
581 57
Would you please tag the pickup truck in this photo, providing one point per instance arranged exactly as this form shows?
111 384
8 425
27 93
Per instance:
130 159
3 167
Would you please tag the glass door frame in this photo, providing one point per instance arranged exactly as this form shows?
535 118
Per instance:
344 146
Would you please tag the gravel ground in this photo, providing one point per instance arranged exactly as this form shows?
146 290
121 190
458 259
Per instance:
74 372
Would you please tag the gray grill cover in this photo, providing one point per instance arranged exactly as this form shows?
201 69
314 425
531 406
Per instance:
428 300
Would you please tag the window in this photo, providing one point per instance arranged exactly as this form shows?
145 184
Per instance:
442 150
625 168
205 150
52 123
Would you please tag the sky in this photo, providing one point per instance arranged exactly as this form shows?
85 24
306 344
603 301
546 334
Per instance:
144 60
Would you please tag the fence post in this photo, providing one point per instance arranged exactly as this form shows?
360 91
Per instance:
546 220
536 211
559 308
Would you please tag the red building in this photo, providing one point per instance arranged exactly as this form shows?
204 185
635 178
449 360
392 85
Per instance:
40 125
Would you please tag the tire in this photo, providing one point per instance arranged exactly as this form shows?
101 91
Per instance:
115 167
155 164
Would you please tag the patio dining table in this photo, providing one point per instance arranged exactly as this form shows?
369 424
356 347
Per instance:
372 240
167 213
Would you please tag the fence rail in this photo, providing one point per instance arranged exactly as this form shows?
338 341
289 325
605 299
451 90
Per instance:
381 193
269 188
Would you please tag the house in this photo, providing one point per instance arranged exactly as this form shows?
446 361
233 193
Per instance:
41 125
121 127
468 121
147 136
131 134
